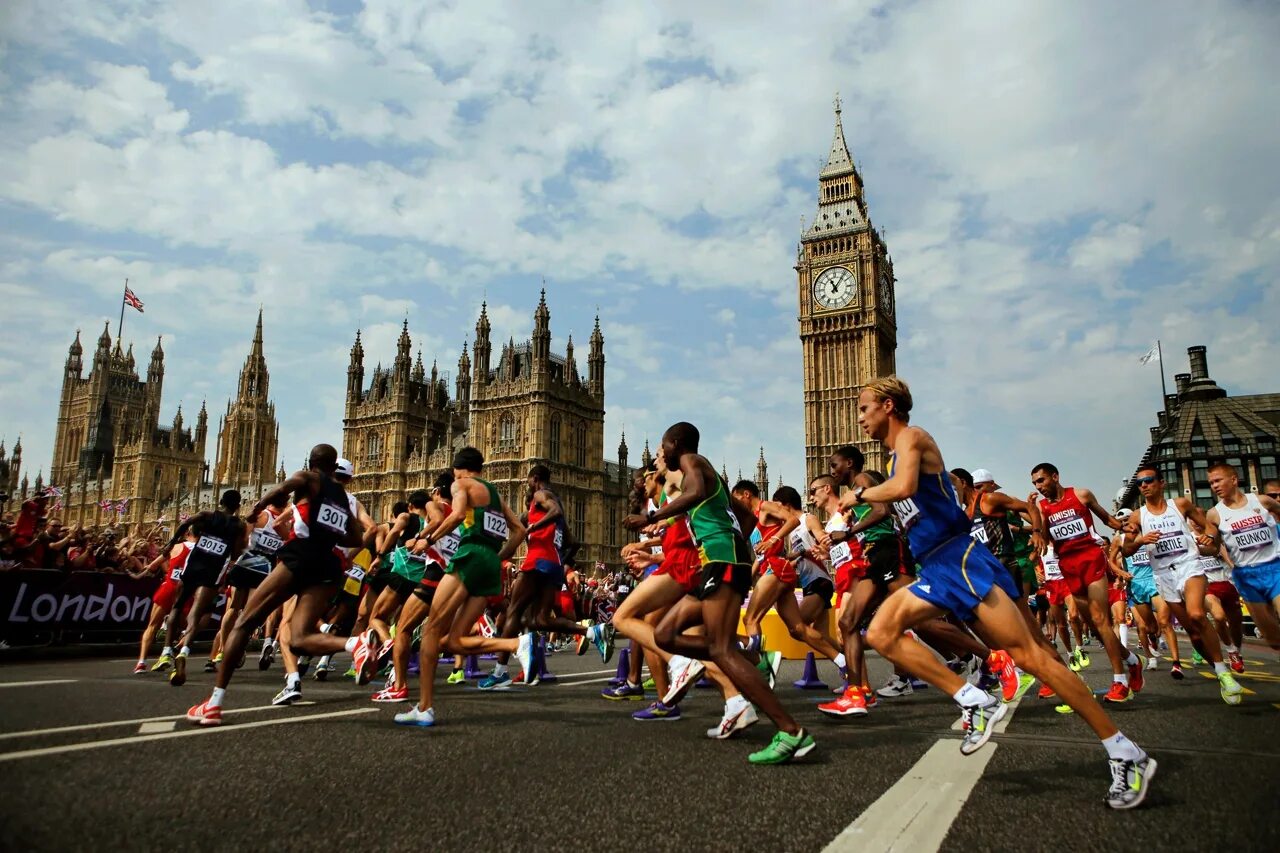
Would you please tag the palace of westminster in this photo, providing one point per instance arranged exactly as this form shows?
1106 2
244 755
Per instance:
523 404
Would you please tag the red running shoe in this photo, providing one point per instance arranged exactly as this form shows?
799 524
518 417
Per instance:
871 697
363 659
1118 693
1001 664
204 715
852 703
390 694
1046 692
1237 662
1135 676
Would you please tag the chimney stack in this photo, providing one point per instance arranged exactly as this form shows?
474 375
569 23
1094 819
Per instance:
1199 362
1182 381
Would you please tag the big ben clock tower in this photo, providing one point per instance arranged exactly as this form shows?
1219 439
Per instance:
847 328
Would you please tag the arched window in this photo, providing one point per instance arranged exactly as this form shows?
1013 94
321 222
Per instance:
507 429
580 444
555 438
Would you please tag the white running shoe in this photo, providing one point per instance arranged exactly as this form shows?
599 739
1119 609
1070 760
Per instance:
731 724
685 673
289 695
895 687
524 654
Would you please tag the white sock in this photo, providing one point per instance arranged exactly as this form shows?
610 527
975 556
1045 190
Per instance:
1119 746
840 660
1124 636
293 679
735 704
1131 659
1123 678
167 651
186 651
352 642
970 696
1231 650
324 627
499 669
1219 668
215 701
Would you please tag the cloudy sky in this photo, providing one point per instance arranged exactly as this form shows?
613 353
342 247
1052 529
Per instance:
1059 185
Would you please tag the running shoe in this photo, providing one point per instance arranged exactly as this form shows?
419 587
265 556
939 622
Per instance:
203 715
732 723
1118 693
362 657
390 694
488 628
1229 689
350 673
1197 659
178 677
1135 675
851 704
1001 665
770 663
657 711
1236 662
1175 670
1152 661
162 664
287 696
649 684
754 643
895 687
1064 709
1129 781
267 655
1025 680
685 673
384 650
1046 692
460 677
492 681
414 717
979 725
1074 663
584 643
524 654
304 664
869 696
783 748
211 665
602 638
323 668
919 684
140 668
626 690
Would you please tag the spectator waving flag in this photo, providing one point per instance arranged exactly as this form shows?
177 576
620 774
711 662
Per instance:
131 299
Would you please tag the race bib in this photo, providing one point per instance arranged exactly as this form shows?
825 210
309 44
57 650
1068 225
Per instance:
176 574
266 541
979 532
493 524
623 589
1254 537
211 545
1072 528
356 574
907 512
447 547
1141 557
559 539
1171 545
355 578
1052 570
332 517
797 540
841 554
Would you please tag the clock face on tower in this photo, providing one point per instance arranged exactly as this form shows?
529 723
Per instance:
836 287
886 293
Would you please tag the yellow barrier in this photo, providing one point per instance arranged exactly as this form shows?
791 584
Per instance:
778 638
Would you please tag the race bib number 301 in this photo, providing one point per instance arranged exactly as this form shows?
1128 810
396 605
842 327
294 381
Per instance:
332 517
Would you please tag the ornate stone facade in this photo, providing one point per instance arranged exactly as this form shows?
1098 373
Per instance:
847 328
249 435
402 428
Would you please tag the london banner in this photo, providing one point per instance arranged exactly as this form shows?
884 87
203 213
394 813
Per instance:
39 604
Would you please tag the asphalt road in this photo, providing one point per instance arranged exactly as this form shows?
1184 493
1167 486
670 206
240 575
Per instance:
556 767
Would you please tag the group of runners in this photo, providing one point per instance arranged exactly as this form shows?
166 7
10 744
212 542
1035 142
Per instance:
921 563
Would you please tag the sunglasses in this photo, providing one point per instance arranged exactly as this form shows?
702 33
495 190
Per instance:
1274 495
1146 481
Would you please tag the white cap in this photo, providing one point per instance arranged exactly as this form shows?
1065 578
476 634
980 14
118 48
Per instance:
345 468
1124 513
982 475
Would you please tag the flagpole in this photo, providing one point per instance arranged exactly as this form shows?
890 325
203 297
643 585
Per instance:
120 328
1164 391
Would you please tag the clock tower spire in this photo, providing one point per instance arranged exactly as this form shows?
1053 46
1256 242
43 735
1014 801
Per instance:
848 331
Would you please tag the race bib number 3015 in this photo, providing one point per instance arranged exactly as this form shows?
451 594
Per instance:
210 545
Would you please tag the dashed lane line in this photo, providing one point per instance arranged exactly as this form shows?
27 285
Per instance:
84 727
193 732
44 683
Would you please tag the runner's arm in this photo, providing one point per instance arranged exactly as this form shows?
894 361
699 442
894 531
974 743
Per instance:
516 533
1271 505
694 490
1207 542
909 453
1212 520
186 525
290 486
1091 501
460 502
393 535
550 506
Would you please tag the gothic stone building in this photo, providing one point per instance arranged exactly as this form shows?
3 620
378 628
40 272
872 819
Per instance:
248 434
847 328
402 428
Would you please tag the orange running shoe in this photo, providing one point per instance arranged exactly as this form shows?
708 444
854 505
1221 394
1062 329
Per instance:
1118 693
1001 665
851 703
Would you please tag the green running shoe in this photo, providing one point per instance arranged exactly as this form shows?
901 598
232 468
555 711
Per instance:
1230 690
1025 680
1064 709
1196 658
456 677
649 685
1074 663
783 748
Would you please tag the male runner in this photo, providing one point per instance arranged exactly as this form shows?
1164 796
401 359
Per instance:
490 533
1142 592
1246 524
174 561
1063 517
253 566
220 537
1175 563
405 567
960 575
716 526
324 516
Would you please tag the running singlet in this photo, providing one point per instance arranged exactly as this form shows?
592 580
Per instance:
213 541
264 541
932 516
715 529
324 523
444 549
1139 565
179 563
1176 544
1248 533
991 530
773 553
545 542
1070 524
807 570
485 526
1215 571
880 531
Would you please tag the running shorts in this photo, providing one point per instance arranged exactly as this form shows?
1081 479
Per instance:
166 594
737 576
1057 591
426 588
784 570
849 574
1115 596
310 564
682 566
1226 592
248 571
1259 583
478 568
549 571
564 602
958 574
194 577
1171 581
1081 570
823 589
885 562
1142 590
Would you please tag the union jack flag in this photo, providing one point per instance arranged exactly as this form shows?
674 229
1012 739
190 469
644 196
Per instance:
121 506
131 299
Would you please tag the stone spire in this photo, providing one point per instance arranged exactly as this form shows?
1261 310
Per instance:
462 384
541 335
102 355
254 379
484 349
401 367
646 457
570 366
622 451
839 161
419 373
355 371
75 361
595 362
762 475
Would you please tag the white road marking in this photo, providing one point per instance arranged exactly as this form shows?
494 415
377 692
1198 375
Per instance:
38 683
84 727
157 728
916 813
192 732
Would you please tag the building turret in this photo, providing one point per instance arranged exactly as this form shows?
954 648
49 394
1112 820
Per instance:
570 366
646 457
622 453
40 481
155 373
541 349
762 475
355 372
102 355
129 360
400 369
595 362
483 348
75 361
177 421
202 425
462 385
419 374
